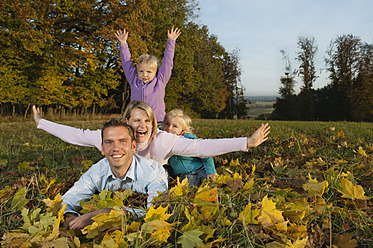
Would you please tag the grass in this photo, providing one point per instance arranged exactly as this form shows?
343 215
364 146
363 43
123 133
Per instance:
326 151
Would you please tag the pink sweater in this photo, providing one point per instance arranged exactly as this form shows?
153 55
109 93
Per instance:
160 148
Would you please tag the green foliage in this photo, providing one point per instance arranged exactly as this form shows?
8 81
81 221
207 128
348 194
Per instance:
64 55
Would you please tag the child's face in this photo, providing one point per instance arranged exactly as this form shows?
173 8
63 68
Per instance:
173 125
145 72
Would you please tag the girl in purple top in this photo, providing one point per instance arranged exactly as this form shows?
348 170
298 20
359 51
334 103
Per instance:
146 84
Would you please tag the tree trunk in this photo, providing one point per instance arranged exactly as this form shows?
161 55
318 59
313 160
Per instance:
28 107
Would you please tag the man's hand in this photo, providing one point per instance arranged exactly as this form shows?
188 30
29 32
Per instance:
174 33
122 36
259 136
37 116
79 222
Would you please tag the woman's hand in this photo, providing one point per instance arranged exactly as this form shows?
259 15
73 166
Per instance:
259 136
37 116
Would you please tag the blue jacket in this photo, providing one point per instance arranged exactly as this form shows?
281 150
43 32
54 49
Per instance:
182 164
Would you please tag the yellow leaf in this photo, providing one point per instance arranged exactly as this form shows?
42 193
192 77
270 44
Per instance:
133 227
236 176
53 205
362 152
156 214
248 185
161 234
288 244
352 192
16 239
222 179
181 188
315 188
206 194
320 205
234 163
19 199
269 215
345 240
208 232
56 226
205 211
104 221
114 239
6 193
297 231
249 215
296 210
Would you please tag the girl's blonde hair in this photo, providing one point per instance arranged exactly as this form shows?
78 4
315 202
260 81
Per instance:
144 106
185 120
150 60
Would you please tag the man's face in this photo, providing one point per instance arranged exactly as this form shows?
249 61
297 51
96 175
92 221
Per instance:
118 147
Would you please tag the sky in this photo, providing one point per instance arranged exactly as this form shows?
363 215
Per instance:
260 29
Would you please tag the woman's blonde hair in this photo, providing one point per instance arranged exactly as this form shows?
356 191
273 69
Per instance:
185 120
150 60
144 106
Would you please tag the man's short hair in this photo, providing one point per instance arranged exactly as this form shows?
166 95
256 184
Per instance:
116 122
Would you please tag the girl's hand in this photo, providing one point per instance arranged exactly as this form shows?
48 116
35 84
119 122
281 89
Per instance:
212 176
122 36
259 136
174 33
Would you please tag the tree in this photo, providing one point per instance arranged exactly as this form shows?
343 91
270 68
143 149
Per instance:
361 95
63 54
342 62
307 72
285 106
235 104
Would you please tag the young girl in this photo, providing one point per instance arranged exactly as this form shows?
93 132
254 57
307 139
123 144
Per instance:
146 84
193 168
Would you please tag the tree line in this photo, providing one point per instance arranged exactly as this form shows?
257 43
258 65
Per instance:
347 97
62 55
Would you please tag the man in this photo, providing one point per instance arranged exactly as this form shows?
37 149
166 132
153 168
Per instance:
120 168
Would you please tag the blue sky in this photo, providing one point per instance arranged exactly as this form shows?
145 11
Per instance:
261 28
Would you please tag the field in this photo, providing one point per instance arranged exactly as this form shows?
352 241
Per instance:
309 185
261 106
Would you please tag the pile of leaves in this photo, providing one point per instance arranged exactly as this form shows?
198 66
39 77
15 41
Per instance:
302 191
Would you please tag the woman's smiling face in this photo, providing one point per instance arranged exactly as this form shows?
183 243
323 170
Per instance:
141 123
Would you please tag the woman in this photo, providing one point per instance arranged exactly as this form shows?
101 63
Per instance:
151 142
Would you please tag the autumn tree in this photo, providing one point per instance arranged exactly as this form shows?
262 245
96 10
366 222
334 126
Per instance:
63 54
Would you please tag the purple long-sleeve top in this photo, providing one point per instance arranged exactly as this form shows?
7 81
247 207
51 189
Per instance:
153 92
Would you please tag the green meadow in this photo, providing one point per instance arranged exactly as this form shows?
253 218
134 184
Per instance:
309 185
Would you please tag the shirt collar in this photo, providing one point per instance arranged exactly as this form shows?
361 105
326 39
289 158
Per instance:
130 173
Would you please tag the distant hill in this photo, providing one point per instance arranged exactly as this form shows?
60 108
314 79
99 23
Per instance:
260 105
255 99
